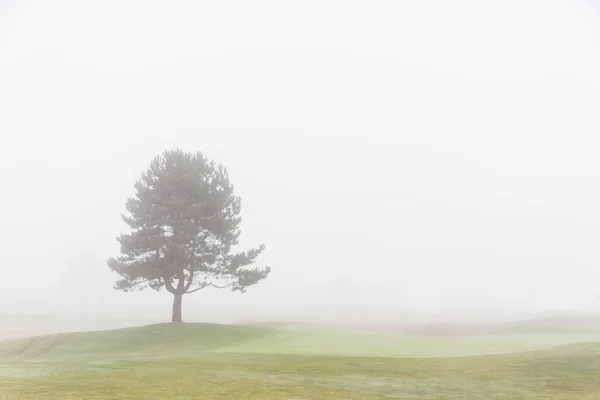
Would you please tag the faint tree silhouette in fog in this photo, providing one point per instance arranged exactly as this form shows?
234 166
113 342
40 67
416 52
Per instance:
184 221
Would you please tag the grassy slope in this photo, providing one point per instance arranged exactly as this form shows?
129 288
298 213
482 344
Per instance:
306 339
192 361
163 340
167 340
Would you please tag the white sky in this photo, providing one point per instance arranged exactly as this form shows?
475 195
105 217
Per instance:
394 157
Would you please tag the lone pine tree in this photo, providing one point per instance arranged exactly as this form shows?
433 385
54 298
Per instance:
184 221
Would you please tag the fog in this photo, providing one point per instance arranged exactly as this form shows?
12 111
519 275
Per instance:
399 160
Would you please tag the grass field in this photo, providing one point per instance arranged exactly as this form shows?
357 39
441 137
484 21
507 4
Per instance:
276 361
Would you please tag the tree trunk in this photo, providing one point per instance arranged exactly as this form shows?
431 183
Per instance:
177 307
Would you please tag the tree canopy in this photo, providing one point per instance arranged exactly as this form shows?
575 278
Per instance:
185 221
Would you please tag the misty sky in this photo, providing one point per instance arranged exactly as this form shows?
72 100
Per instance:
394 157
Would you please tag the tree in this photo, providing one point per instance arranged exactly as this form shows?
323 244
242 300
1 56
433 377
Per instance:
184 221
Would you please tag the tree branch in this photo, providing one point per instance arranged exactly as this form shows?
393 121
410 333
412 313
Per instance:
205 284
202 286
220 287
169 287
189 283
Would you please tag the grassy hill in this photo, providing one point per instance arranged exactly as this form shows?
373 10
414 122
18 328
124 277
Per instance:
22 325
295 361
183 340
152 340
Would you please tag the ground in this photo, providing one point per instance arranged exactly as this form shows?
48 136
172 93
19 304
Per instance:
277 361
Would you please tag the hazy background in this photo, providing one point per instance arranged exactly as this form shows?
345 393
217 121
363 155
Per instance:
398 159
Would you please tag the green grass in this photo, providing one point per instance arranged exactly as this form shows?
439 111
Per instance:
206 361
